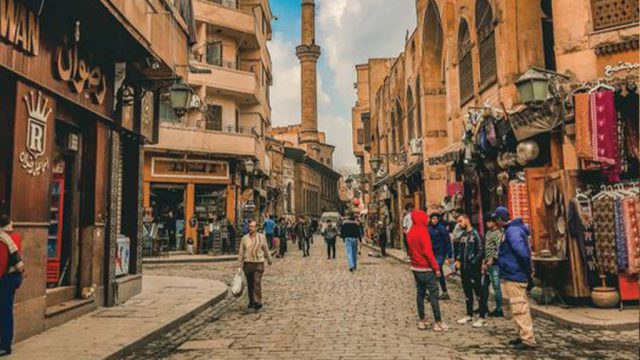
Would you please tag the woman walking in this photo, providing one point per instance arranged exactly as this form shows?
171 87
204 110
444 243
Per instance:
252 255
11 271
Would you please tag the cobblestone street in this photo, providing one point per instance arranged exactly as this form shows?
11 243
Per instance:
316 309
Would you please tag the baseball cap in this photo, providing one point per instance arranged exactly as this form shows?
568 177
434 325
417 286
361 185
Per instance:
501 213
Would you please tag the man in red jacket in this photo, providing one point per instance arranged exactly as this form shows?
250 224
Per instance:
11 270
425 269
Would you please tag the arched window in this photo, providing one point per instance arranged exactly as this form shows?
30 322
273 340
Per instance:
394 132
400 120
465 66
419 108
486 43
410 112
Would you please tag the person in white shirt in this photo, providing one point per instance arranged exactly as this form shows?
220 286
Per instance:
406 224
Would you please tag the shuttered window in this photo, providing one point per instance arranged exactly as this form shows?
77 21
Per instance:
611 13
400 119
465 67
419 107
486 42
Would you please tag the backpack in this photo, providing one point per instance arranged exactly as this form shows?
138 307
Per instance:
331 233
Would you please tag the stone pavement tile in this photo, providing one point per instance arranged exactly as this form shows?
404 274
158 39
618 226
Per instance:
316 309
104 333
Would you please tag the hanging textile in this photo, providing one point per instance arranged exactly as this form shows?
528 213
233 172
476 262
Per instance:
605 232
583 126
632 231
621 237
604 133
581 228
519 201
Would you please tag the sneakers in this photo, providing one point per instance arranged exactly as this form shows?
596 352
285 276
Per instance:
465 320
522 346
515 341
444 296
257 306
496 313
440 327
479 323
5 352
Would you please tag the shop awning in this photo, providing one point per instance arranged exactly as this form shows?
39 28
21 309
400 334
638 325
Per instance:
528 121
410 170
447 155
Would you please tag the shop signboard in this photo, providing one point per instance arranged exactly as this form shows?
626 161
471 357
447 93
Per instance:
19 27
38 111
189 168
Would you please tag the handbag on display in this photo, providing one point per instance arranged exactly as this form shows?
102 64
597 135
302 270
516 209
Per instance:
237 284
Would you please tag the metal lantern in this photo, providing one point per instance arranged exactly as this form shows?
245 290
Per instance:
374 162
249 166
533 86
180 94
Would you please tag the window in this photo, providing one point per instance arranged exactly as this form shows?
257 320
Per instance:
410 112
213 118
487 43
214 53
289 196
400 119
548 41
393 132
419 106
611 13
237 129
366 125
465 66
360 136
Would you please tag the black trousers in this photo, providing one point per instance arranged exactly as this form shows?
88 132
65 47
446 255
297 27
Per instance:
472 283
331 248
283 246
426 282
306 246
383 246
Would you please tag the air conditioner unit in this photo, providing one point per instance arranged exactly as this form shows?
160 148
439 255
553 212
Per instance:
195 102
416 146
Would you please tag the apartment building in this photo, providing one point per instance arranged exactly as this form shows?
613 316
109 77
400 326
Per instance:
210 167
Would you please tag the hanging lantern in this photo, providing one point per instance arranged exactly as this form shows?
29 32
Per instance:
533 86
374 162
180 94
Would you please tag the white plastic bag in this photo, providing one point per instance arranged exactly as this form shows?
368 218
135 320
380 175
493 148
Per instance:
237 285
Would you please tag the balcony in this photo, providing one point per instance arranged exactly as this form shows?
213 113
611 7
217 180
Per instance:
227 81
228 21
177 137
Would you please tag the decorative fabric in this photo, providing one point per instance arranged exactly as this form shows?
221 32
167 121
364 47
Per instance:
621 238
583 126
605 232
519 201
632 230
604 133
581 228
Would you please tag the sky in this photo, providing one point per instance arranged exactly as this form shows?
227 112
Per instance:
349 32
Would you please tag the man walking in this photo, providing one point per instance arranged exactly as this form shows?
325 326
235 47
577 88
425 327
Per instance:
406 223
269 227
469 261
350 233
330 237
492 240
425 270
514 261
382 238
441 248
251 256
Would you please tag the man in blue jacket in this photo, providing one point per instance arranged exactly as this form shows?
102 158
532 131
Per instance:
441 248
514 261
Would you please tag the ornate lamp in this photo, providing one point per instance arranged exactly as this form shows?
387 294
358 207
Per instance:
180 94
533 86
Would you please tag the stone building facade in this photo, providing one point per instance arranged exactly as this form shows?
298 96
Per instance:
468 54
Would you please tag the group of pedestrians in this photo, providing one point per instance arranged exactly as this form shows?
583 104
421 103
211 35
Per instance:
501 260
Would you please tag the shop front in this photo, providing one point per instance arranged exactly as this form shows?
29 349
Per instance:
69 168
191 199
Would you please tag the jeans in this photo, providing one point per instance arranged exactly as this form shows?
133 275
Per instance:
269 240
494 277
472 283
9 283
352 252
253 272
331 247
283 246
442 279
426 281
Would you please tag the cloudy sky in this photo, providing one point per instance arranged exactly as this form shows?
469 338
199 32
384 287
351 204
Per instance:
349 32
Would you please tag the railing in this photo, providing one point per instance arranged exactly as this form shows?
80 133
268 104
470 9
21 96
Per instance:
233 4
201 125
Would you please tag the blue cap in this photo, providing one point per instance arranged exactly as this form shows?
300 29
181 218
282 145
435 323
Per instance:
501 213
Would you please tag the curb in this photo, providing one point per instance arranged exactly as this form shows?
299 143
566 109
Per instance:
194 260
539 313
137 344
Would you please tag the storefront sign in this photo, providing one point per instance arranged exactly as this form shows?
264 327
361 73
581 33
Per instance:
187 168
79 73
38 110
19 26
609 70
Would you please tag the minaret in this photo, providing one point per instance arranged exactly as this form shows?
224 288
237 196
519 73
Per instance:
308 53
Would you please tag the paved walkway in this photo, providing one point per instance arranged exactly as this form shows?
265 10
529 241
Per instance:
164 303
316 309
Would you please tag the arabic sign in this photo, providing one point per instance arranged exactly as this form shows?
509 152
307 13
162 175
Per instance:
82 76
609 70
187 168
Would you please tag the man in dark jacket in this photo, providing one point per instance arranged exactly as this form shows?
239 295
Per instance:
469 261
514 261
351 234
441 248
